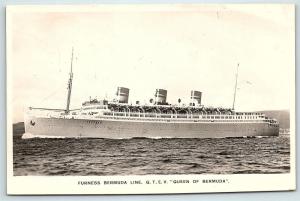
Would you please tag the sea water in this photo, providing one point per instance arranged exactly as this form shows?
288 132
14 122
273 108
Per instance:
142 156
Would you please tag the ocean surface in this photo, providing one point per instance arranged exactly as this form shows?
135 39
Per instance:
141 156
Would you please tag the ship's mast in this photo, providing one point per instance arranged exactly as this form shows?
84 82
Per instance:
236 78
70 86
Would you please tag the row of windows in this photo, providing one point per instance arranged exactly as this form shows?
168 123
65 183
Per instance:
248 113
180 116
177 119
98 107
230 117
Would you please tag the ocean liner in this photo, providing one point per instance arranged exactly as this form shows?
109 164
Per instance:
157 119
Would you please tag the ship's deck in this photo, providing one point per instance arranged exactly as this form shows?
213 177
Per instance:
158 117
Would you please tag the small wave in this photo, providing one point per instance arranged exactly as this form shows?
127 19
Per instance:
284 152
157 137
196 165
30 136
166 160
248 172
262 136
225 153
285 167
202 156
148 137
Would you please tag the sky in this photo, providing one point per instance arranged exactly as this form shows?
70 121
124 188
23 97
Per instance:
143 47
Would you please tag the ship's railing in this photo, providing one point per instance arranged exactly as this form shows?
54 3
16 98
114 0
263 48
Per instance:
183 116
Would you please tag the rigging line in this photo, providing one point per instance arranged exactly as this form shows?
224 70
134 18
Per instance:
236 78
53 93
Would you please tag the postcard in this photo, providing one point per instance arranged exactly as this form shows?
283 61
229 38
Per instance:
150 99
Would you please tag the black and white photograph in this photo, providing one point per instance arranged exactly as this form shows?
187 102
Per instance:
179 98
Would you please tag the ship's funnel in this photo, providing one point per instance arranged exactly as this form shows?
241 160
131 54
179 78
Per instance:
195 98
161 96
122 94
